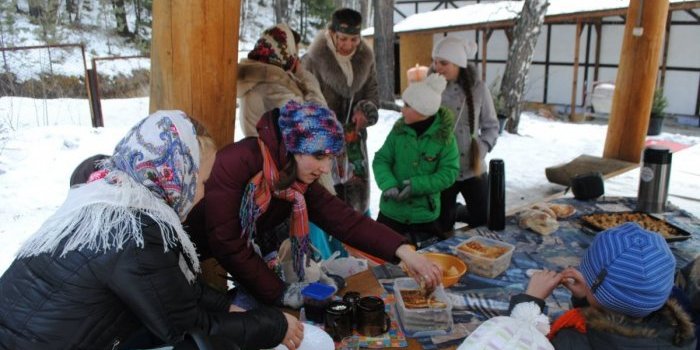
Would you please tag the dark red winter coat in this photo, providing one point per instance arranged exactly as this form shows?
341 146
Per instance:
234 166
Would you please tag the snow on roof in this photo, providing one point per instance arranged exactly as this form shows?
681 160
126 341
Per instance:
497 11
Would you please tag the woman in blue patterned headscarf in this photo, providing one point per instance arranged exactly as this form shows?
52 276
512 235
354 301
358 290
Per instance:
114 258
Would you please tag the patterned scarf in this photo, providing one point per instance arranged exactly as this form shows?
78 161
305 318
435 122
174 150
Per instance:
153 171
571 319
256 201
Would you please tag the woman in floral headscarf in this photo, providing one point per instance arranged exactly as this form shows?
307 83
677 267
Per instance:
115 258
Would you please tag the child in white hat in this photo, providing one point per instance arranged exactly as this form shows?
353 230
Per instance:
418 160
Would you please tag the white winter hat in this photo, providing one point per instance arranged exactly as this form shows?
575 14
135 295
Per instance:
425 96
525 328
455 50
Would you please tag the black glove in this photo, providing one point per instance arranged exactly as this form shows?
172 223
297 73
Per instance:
405 192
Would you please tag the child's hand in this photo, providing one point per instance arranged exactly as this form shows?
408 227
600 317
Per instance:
542 283
574 281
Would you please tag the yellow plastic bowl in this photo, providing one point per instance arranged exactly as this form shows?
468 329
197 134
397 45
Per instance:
452 267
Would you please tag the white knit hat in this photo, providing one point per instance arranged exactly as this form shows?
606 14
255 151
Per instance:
455 50
525 328
425 96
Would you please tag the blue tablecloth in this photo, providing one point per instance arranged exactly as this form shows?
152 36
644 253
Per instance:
479 298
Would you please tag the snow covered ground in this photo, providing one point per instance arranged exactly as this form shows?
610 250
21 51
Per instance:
41 142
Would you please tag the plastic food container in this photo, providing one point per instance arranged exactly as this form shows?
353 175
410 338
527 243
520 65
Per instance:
316 297
490 262
420 322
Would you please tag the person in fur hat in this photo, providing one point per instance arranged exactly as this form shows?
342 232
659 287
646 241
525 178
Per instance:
257 183
114 259
476 130
620 293
344 65
417 161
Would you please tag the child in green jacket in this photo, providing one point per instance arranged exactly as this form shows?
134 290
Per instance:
418 160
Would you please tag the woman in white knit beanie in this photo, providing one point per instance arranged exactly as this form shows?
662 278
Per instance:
476 130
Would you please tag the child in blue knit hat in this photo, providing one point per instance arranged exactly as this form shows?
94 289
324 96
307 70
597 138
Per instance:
620 295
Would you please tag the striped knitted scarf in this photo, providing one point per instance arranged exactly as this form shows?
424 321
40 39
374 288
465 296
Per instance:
256 200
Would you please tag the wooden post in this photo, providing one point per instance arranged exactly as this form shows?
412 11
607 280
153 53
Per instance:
485 36
194 61
577 49
598 39
664 59
636 80
194 67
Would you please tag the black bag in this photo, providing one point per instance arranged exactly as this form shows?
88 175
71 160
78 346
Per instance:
588 185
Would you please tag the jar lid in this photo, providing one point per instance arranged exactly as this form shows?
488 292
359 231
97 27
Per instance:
318 291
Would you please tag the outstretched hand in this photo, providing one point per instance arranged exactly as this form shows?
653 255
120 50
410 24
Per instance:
542 283
425 272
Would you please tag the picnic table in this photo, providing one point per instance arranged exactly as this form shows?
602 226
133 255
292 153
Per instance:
476 298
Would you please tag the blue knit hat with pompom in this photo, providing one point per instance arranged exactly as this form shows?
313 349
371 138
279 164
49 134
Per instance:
309 128
629 270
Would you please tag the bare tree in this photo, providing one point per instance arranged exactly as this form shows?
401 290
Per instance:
364 11
120 16
384 48
281 11
527 30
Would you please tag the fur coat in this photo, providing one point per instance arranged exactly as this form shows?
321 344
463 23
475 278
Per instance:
263 87
344 100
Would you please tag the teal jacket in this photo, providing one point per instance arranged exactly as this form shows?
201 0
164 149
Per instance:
430 162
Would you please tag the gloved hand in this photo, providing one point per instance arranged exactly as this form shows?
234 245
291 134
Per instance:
405 192
292 295
391 193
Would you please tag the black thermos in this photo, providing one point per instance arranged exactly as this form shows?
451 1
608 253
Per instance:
497 195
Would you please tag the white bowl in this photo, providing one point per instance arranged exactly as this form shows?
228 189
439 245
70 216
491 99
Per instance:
314 339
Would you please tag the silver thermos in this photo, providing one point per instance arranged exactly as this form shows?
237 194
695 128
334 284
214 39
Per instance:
653 180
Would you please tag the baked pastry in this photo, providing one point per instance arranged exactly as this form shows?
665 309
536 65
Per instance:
539 221
486 251
605 221
416 299
562 210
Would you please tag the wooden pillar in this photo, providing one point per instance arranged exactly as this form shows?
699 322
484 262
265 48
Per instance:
636 80
485 36
414 48
577 49
194 61
194 66
598 39
664 59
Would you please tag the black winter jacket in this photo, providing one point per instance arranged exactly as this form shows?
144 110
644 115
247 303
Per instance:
95 300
